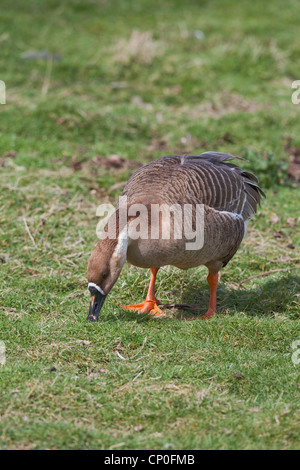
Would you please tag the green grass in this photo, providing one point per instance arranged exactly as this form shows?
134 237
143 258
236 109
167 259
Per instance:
132 382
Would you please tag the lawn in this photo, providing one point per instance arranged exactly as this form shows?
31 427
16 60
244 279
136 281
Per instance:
94 89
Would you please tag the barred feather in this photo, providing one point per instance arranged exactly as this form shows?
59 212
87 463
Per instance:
209 178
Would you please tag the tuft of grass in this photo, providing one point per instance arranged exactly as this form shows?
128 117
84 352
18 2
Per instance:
94 89
140 49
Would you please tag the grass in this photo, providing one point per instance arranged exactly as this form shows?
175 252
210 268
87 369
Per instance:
141 80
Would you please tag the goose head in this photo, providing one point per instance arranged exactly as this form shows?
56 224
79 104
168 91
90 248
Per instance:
104 268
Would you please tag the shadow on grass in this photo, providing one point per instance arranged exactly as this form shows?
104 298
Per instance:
273 296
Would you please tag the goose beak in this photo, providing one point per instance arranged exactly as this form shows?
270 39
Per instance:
97 301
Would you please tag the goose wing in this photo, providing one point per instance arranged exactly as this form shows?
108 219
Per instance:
210 178
223 185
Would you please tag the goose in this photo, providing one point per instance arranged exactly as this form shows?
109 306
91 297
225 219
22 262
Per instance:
226 196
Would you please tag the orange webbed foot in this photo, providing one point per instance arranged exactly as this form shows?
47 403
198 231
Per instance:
207 315
149 306
210 313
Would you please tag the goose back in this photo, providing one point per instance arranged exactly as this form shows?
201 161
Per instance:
210 179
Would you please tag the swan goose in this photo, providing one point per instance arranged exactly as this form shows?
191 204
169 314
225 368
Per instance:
228 197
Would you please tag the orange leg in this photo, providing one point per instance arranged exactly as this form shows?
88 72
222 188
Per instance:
212 280
150 305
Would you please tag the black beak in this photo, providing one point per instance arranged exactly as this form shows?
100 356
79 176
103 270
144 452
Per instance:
97 300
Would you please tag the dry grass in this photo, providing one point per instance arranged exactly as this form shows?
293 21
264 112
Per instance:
220 105
140 48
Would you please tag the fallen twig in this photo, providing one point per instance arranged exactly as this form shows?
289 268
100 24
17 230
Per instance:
265 274
28 231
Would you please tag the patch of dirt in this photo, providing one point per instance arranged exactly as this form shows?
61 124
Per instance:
4 257
158 143
32 272
113 162
294 166
294 169
6 157
220 105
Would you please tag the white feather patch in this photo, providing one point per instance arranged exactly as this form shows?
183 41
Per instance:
121 248
92 284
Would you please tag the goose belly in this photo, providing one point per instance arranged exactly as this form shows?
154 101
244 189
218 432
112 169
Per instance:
222 236
158 253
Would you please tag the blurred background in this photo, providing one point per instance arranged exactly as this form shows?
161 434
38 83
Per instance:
145 78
